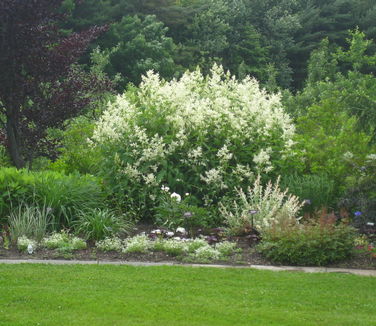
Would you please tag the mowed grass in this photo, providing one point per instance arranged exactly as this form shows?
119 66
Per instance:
124 295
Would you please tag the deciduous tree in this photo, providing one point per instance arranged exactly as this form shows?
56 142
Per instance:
39 87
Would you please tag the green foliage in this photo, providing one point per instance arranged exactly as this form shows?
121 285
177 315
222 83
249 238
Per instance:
76 154
343 77
97 224
318 191
317 243
65 195
356 55
4 157
172 213
29 221
325 135
136 45
360 195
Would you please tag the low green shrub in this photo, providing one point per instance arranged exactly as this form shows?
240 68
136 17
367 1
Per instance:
195 244
174 211
65 195
97 224
317 243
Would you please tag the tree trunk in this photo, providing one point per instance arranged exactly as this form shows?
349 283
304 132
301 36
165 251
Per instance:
14 143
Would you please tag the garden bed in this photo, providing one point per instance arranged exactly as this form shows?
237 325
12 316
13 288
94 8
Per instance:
248 256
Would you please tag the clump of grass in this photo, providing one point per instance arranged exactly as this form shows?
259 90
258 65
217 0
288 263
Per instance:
98 224
30 221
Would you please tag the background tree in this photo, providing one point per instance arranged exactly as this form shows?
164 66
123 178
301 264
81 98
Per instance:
39 87
136 45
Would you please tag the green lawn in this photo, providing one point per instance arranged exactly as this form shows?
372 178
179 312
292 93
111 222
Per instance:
124 295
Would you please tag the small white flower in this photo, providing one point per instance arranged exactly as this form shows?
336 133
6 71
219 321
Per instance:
170 234
176 196
187 193
165 188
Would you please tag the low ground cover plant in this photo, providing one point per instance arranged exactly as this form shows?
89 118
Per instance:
63 241
110 244
194 250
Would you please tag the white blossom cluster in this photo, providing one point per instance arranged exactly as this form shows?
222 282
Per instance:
110 244
62 240
218 128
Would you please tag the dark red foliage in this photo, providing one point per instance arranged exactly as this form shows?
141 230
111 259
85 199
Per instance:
39 86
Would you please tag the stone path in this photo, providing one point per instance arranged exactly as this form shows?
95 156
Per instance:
362 272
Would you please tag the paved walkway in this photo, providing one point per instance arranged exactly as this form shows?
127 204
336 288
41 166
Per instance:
362 272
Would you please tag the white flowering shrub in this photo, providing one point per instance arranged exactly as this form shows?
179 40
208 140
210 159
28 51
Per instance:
259 207
201 135
110 244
